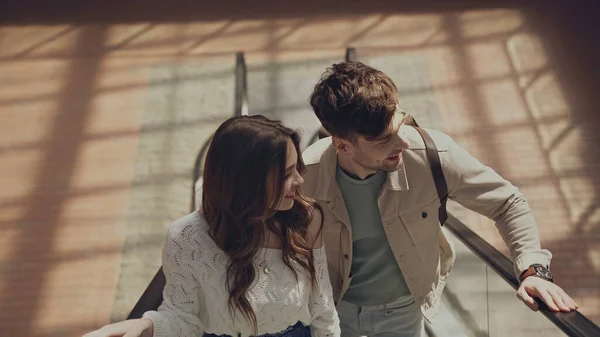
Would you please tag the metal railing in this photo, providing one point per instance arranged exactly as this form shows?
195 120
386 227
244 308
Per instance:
571 323
152 296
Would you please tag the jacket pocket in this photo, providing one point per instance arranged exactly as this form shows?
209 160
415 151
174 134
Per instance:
422 222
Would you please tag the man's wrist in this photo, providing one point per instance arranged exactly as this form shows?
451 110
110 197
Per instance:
537 270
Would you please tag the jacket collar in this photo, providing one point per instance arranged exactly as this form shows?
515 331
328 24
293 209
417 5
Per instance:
327 188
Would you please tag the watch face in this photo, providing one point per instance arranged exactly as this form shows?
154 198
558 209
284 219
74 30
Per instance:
543 272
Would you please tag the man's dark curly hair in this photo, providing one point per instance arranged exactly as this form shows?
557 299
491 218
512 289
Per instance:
353 99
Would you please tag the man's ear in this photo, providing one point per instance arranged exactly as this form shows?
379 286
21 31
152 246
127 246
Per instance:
342 146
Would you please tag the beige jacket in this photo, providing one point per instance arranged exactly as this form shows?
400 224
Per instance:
409 205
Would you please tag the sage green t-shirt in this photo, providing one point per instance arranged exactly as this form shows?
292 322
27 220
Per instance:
376 277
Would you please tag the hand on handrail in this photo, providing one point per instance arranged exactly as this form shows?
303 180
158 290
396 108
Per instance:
552 295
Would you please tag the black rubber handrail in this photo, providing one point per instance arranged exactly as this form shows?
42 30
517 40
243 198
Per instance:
241 85
152 296
351 55
571 323
240 108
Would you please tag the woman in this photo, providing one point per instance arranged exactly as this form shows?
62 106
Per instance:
251 261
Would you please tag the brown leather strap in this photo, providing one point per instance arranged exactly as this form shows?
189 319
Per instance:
436 171
529 272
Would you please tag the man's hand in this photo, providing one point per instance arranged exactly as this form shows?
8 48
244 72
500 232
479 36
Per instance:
555 298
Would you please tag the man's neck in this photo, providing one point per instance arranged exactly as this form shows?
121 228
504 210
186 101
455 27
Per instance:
353 169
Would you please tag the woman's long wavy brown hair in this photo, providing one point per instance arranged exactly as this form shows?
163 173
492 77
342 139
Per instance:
244 175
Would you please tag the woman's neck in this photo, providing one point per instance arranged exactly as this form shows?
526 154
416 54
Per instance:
271 239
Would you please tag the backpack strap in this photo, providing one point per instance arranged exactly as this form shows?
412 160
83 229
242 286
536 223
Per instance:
436 170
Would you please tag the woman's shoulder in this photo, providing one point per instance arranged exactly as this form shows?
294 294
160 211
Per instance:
189 229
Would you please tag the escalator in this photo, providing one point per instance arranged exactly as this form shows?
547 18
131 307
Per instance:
280 90
479 299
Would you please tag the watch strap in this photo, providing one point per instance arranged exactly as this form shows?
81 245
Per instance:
531 271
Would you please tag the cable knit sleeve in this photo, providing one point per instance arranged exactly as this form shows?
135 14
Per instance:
183 300
325 321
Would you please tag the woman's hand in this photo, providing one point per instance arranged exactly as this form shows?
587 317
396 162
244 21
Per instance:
142 327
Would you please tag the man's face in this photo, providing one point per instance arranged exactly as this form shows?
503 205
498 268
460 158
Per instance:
383 153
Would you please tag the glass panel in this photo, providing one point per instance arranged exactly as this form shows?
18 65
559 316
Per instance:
477 302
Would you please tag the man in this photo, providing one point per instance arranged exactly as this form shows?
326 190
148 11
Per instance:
388 259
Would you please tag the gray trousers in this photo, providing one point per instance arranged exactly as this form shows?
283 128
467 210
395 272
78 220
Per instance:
401 318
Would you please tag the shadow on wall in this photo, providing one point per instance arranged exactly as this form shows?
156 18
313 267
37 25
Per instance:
571 29
24 289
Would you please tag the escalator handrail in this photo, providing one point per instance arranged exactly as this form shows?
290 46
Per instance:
572 323
351 55
152 297
241 86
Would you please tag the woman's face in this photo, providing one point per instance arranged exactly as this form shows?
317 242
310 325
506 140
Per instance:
292 179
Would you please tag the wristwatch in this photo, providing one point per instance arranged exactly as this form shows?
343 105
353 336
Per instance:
537 270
